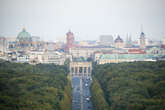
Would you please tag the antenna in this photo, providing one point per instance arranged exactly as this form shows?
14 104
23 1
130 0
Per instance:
141 28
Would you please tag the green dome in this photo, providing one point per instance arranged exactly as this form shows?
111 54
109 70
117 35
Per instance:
24 36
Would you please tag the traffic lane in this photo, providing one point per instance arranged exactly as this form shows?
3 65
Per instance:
89 94
76 104
85 101
76 100
76 93
87 97
75 81
84 95
87 104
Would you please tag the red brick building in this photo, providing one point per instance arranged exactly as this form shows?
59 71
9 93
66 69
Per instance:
69 41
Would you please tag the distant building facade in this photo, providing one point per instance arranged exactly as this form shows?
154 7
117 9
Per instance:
163 43
53 57
36 57
119 58
106 40
36 43
3 46
86 51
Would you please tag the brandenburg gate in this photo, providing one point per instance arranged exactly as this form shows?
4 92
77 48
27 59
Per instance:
80 68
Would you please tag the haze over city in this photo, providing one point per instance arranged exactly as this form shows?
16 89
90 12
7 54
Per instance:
82 55
88 19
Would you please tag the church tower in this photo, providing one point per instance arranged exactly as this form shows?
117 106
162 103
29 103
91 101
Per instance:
69 41
142 41
119 43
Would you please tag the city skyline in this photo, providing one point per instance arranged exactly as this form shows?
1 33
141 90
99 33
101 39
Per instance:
86 19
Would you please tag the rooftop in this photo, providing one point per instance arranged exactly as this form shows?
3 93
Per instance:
130 56
118 39
81 59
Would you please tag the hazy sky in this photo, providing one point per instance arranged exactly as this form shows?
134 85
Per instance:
51 19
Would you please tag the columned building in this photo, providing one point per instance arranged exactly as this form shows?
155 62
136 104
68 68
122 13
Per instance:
81 69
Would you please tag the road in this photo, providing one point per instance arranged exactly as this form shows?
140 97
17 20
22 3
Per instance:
81 94
75 93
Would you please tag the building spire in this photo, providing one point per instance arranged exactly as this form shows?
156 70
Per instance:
141 28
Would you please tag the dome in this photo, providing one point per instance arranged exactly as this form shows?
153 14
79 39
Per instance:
24 36
118 39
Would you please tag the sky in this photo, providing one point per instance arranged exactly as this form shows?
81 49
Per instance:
87 19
